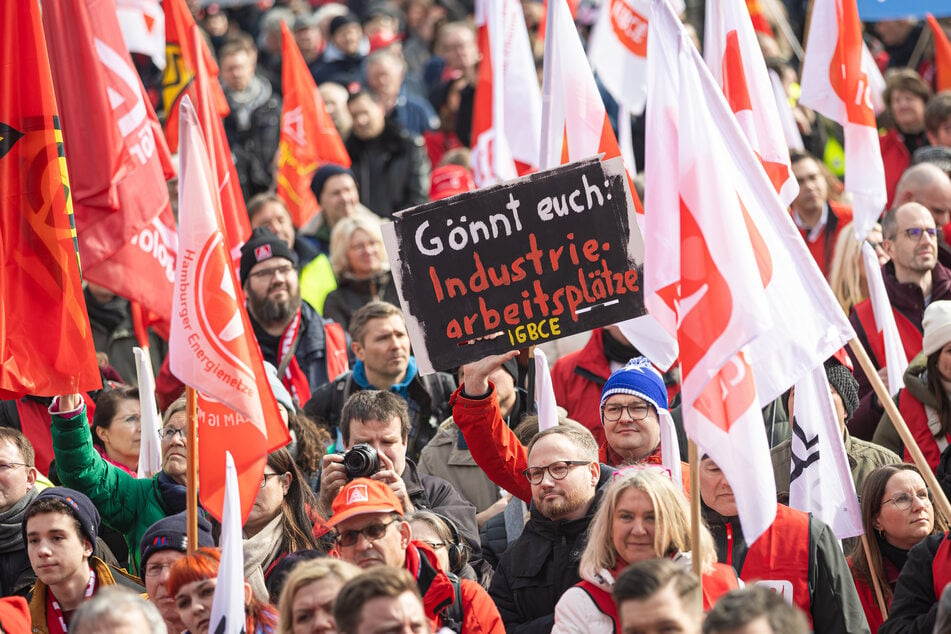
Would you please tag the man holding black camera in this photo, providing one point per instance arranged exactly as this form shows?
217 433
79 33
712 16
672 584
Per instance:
379 421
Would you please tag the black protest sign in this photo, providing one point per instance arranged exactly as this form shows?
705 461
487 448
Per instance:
534 259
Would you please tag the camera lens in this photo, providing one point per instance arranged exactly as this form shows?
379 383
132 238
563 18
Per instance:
361 461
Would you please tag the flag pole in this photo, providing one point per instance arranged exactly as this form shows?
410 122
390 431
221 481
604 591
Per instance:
875 583
191 486
940 500
695 519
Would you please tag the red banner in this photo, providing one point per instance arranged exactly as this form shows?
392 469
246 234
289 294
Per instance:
46 345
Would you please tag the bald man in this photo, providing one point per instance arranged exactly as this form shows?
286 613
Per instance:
929 185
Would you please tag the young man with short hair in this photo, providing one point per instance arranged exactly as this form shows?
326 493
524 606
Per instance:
60 528
658 595
381 600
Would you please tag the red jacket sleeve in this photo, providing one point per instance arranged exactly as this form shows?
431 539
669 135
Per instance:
480 616
493 446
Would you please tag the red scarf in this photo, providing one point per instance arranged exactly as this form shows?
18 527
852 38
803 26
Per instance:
55 620
294 379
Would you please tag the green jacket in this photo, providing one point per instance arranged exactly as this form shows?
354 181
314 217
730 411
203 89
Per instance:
127 504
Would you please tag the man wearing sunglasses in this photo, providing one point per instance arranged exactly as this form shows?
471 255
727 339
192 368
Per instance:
913 279
370 530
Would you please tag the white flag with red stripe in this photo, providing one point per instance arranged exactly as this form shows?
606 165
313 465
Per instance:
617 50
736 63
143 28
896 362
724 270
835 84
506 118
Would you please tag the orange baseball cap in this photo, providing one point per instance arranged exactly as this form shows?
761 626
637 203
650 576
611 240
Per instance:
361 496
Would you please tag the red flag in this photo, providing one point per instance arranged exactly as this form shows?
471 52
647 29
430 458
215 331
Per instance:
237 226
212 346
181 54
46 346
119 188
507 107
308 135
942 54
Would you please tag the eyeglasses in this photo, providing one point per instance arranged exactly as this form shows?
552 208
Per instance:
154 570
6 466
557 470
268 274
903 501
170 432
636 410
372 533
916 233
270 475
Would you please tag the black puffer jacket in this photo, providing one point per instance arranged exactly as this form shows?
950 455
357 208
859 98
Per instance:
392 170
538 567
253 129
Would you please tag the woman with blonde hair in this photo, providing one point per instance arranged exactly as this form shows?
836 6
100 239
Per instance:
307 600
847 273
642 515
359 261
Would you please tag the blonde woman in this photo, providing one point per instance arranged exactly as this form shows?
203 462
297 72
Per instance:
847 273
359 261
306 605
643 515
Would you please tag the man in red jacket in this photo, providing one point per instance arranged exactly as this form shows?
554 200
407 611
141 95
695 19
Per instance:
819 219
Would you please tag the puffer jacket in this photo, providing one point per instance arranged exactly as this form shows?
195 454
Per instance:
129 505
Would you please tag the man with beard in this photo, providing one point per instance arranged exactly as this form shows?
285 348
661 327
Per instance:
307 349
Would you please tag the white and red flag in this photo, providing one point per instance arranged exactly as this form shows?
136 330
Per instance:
308 136
212 346
725 270
736 62
227 605
507 110
617 51
143 27
835 84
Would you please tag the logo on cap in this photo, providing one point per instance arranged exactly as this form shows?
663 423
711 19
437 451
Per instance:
262 252
357 493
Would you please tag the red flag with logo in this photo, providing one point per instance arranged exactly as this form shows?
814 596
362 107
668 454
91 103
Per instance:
722 268
40 283
507 107
181 55
237 226
835 85
942 54
736 63
308 135
212 346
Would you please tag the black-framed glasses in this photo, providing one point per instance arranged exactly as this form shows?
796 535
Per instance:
637 411
170 432
372 533
6 466
557 470
268 274
916 233
269 475
903 500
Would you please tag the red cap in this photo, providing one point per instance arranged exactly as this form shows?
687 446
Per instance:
362 496
449 180
382 39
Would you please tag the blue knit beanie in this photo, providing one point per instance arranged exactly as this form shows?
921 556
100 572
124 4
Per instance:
637 378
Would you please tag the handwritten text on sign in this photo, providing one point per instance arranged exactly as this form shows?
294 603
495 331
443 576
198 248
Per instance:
538 258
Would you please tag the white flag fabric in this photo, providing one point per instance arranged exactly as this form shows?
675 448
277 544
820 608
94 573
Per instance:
506 124
835 84
736 62
150 447
227 608
143 28
876 81
790 129
544 393
617 50
895 360
820 479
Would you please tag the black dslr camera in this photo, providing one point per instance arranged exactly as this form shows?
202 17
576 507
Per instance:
361 461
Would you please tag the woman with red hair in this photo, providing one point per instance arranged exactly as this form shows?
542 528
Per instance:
192 581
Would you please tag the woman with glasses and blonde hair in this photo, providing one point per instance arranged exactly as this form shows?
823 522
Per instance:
642 515
307 600
897 514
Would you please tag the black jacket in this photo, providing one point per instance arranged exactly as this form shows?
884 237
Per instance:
540 565
352 294
253 129
914 606
392 170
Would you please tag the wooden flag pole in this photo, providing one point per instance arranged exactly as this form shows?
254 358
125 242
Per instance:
878 587
191 486
940 500
695 519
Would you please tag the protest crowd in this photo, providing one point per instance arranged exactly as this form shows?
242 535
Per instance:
226 268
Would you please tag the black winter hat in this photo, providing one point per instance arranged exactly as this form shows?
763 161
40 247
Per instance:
840 378
341 21
324 173
171 533
79 505
263 245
